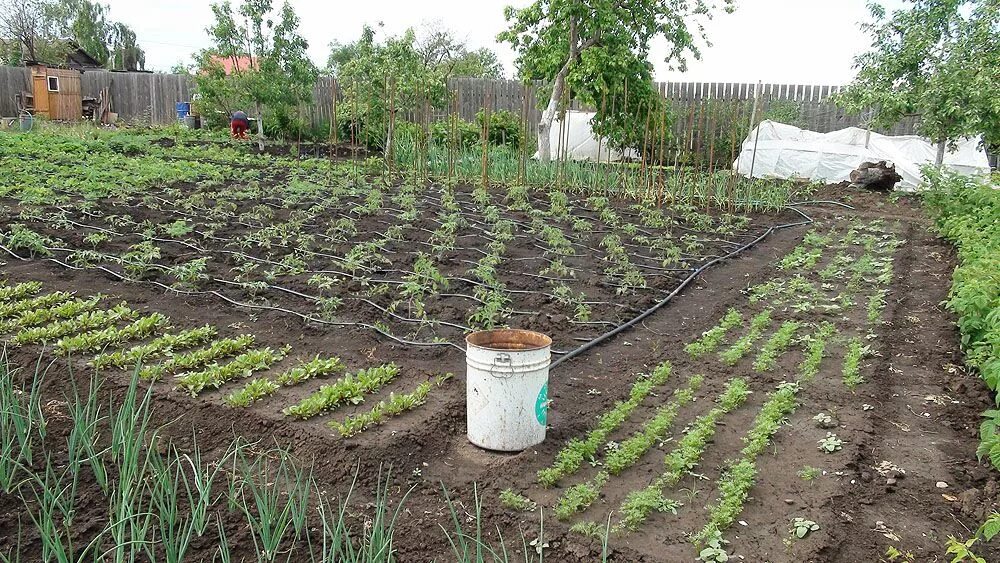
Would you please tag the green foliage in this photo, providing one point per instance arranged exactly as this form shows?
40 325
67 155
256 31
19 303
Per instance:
19 291
758 324
739 476
856 351
516 501
395 405
456 132
23 238
962 550
439 50
652 432
599 53
578 497
714 550
573 454
809 473
86 321
352 389
639 504
504 128
278 77
767 359
216 375
815 350
192 360
112 336
936 59
802 527
379 76
42 309
156 348
965 210
830 444
317 367
46 31
711 339
784 111
253 391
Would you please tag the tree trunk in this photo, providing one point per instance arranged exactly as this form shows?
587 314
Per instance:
549 115
558 87
939 159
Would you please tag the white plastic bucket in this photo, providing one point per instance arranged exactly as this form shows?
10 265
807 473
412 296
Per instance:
507 388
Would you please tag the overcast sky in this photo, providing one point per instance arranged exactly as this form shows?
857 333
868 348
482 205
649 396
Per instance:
792 41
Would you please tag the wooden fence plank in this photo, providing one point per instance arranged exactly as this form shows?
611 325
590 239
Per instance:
150 98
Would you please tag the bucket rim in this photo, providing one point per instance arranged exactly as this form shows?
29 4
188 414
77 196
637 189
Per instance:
532 340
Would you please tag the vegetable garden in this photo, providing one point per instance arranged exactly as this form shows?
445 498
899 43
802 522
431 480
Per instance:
248 356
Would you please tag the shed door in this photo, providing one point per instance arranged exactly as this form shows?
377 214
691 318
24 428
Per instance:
40 87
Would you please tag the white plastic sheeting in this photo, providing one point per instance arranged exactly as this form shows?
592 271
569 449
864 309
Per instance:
578 139
785 151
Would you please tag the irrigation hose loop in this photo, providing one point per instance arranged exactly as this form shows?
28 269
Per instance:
642 316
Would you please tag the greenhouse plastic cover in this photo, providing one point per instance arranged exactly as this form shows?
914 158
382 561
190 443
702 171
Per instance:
785 151
579 141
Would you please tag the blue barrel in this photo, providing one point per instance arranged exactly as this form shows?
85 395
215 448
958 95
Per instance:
183 109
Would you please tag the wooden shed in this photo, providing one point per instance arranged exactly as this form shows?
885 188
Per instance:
56 93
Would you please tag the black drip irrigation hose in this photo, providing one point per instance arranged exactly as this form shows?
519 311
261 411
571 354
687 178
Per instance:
642 316
304 317
564 355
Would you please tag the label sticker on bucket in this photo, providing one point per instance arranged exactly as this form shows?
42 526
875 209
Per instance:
542 405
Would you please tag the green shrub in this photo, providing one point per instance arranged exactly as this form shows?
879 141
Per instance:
966 210
505 128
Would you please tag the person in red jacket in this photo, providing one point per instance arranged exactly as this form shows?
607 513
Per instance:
239 125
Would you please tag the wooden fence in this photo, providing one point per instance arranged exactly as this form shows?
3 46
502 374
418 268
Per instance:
13 81
149 98
138 97
812 102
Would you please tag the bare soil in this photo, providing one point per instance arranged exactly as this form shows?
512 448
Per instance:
925 420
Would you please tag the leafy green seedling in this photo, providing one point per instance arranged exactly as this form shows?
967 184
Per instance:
516 501
714 549
802 527
831 443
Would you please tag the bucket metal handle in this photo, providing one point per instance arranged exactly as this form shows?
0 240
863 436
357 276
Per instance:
502 367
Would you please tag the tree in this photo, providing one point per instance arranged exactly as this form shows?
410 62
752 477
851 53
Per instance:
125 53
404 73
596 47
481 63
384 76
41 31
270 70
937 59
439 51
26 33
86 23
